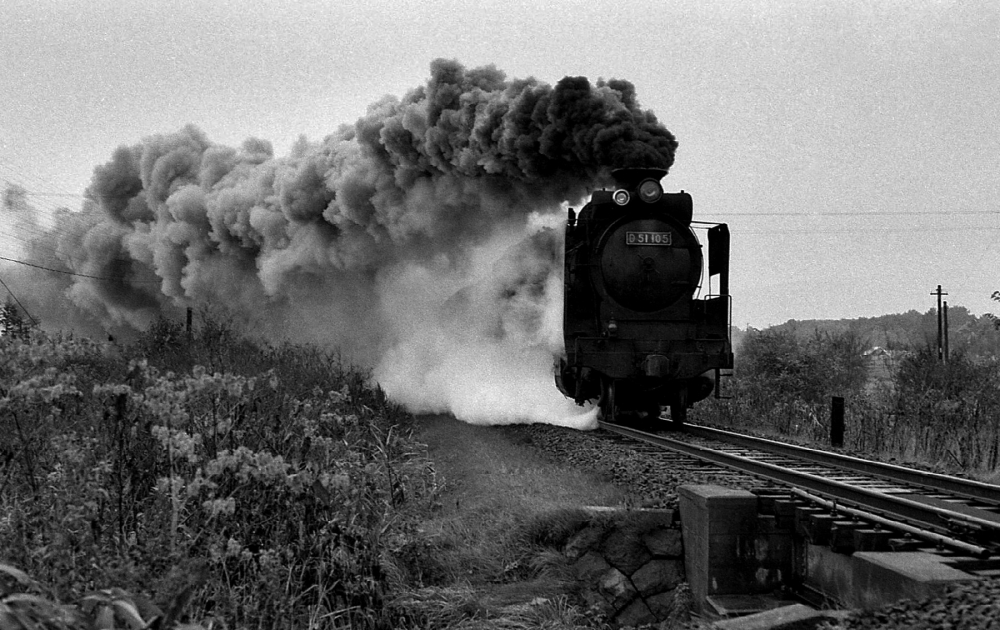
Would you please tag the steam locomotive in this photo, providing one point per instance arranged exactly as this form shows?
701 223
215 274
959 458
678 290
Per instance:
638 337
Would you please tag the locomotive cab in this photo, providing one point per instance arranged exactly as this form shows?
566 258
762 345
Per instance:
636 335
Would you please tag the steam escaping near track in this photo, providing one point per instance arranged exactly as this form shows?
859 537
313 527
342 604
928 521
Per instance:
484 352
386 239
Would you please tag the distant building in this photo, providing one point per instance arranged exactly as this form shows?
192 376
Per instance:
882 363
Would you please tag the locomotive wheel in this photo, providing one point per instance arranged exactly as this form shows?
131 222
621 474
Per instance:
653 411
611 406
678 414
608 404
646 418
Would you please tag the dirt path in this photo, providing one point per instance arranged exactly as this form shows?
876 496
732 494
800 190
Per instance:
484 465
484 550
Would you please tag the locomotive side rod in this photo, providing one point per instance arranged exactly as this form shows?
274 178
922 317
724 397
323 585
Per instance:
928 516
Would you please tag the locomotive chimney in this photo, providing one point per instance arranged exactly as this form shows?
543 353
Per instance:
632 177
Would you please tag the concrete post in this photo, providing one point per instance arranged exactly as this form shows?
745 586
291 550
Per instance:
837 422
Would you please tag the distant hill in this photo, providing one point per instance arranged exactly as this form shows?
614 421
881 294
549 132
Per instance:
974 336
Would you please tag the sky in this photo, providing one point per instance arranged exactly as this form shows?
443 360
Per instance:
852 146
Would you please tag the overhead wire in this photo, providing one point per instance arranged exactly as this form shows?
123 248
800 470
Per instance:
33 320
36 231
869 230
82 275
33 233
861 213
875 214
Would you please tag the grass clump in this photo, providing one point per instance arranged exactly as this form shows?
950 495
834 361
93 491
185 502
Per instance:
233 484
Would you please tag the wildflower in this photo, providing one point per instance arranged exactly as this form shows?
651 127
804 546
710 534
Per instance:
268 559
339 481
220 507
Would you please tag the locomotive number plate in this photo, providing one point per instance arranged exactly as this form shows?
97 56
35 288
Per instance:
649 238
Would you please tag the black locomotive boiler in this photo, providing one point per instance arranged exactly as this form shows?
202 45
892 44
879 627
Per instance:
639 335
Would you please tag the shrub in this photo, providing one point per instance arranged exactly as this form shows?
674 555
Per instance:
948 412
784 384
944 414
258 482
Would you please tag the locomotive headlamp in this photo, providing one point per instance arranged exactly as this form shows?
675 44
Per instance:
650 191
621 197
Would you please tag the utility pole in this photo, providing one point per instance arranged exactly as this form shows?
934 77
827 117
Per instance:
940 337
946 331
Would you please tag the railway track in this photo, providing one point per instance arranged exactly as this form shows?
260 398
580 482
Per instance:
946 511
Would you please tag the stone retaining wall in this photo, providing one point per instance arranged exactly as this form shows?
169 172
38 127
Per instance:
630 565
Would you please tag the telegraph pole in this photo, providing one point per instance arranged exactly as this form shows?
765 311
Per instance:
946 331
940 338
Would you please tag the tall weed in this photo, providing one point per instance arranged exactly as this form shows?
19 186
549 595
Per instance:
258 482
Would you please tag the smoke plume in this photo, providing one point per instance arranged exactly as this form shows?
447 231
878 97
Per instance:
423 240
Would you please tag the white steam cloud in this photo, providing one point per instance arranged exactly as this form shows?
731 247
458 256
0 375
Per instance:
479 341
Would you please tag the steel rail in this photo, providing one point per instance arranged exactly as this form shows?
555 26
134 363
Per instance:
945 483
916 532
932 517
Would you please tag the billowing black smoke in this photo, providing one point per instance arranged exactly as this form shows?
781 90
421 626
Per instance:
360 239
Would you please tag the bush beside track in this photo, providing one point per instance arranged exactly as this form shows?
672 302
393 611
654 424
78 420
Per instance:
206 480
905 407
